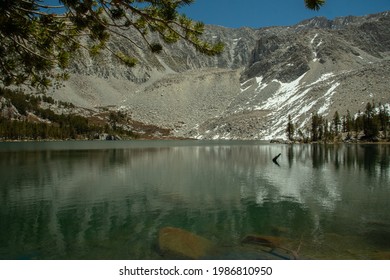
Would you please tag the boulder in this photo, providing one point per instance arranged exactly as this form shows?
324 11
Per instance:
184 244
271 246
268 241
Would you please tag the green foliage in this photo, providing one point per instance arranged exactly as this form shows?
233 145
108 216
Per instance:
129 61
156 48
37 40
55 126
336 122
314 4
383 120
22 102
317 127
348 122
290 129
65 127
371 122
31 43
116 117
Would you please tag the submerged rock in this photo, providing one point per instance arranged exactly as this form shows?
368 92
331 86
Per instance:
271 246
269 241
181 243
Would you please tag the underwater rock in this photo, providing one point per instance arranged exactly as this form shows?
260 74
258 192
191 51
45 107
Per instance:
381 255
271 245
181 243
379 236
268 241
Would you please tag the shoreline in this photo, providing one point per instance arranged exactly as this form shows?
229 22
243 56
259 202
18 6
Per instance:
194 139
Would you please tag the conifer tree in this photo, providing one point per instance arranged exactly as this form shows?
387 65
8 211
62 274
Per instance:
317 129
336 122
344 124
370 124
327 136
314 4
383 119
348 122
290 130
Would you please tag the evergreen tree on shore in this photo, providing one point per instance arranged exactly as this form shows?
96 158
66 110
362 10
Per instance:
290 130
365 126
336 122
370 122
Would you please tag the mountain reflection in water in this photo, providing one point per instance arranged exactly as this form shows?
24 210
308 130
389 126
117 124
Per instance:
99 200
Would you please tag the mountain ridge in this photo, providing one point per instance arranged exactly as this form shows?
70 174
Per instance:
317 65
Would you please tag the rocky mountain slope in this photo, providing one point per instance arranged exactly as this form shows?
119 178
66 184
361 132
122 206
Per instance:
264 75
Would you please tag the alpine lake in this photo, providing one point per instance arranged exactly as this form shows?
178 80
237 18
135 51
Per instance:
111 199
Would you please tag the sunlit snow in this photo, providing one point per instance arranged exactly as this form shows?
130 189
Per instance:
328 95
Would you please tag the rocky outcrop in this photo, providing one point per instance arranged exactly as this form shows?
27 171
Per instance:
284 58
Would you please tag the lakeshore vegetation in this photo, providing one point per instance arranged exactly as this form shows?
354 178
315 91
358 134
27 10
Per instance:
371 125
34 117
23 118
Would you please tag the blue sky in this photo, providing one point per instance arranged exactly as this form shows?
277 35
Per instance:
261 13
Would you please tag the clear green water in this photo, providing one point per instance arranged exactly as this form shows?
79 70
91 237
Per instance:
108 200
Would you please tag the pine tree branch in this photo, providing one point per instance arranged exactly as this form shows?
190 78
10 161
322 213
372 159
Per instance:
107 26
26 48
44 6
35 12
152 19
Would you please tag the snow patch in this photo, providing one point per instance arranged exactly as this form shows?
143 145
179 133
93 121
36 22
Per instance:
260 84
306 108
323 78
286 98
315 54
328 95
285 92
259 79
244 89
312 40
245 82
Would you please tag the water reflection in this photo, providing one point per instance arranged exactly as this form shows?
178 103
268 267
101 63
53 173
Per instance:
109 203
